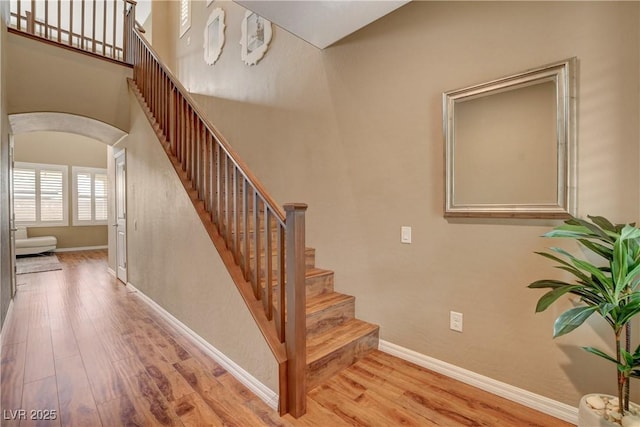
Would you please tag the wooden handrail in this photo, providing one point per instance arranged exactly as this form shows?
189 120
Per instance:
223 142
266 246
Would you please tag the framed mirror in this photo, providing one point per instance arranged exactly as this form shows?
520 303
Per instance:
214 36
510 149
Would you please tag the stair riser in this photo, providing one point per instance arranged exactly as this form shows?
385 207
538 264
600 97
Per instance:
309 258
333 363
328 318
319 284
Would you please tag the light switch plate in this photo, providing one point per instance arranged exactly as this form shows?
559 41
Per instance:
405 234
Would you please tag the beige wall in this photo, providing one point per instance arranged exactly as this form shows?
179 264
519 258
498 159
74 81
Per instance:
356 132
49 78
171 258
60 148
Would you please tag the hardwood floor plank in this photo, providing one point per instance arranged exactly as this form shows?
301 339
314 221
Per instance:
411 401
16 329
194 411
462 399
317 415
224 404
40 401
113 341
63 339
12 373
79 409
171 350
105 383
363 409
39 361
266 415
147 398
77 406
121 412
144 393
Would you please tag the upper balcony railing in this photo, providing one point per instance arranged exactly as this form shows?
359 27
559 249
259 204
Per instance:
95 26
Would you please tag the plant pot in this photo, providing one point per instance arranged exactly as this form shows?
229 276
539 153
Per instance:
601 410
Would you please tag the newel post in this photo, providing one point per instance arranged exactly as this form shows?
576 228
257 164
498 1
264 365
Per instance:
296 333
127 28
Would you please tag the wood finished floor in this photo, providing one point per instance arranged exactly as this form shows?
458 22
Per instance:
81 344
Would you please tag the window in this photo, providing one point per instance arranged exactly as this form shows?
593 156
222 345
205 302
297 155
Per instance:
89 196
40 194
185 16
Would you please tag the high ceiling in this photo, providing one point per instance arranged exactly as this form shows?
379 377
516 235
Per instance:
322 22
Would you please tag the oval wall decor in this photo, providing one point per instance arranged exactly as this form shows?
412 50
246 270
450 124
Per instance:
256 36
214 36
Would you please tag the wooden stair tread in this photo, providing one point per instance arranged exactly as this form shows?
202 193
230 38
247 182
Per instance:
324 301
315 271
335 338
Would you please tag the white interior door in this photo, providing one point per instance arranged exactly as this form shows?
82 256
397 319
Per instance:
121 216
12 221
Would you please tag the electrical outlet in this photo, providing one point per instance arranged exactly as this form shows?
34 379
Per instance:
455 321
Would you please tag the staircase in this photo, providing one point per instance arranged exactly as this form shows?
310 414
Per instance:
318 326
335 338
311 329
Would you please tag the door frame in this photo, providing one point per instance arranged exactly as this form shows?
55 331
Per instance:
12 221
120 221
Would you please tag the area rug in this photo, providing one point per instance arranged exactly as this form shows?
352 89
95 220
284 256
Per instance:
37 264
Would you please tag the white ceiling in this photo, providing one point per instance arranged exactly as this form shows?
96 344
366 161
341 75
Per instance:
322 22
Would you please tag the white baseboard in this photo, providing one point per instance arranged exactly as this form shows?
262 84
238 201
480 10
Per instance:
262 391
82 248
535 401
112 272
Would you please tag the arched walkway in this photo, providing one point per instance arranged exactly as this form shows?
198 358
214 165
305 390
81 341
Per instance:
64 122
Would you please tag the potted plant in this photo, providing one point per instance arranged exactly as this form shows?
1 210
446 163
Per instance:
610 288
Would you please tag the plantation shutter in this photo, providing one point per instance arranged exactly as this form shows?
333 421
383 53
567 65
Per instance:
83 184
40 194
89 196
51 196
24 194
100 191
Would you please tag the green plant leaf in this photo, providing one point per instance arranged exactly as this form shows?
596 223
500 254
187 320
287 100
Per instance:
566 266
630 232
606 308
631 275
594 271
602 222
550 297
603 251
619 266
601 354
547 283
597 232
628 311
571 319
